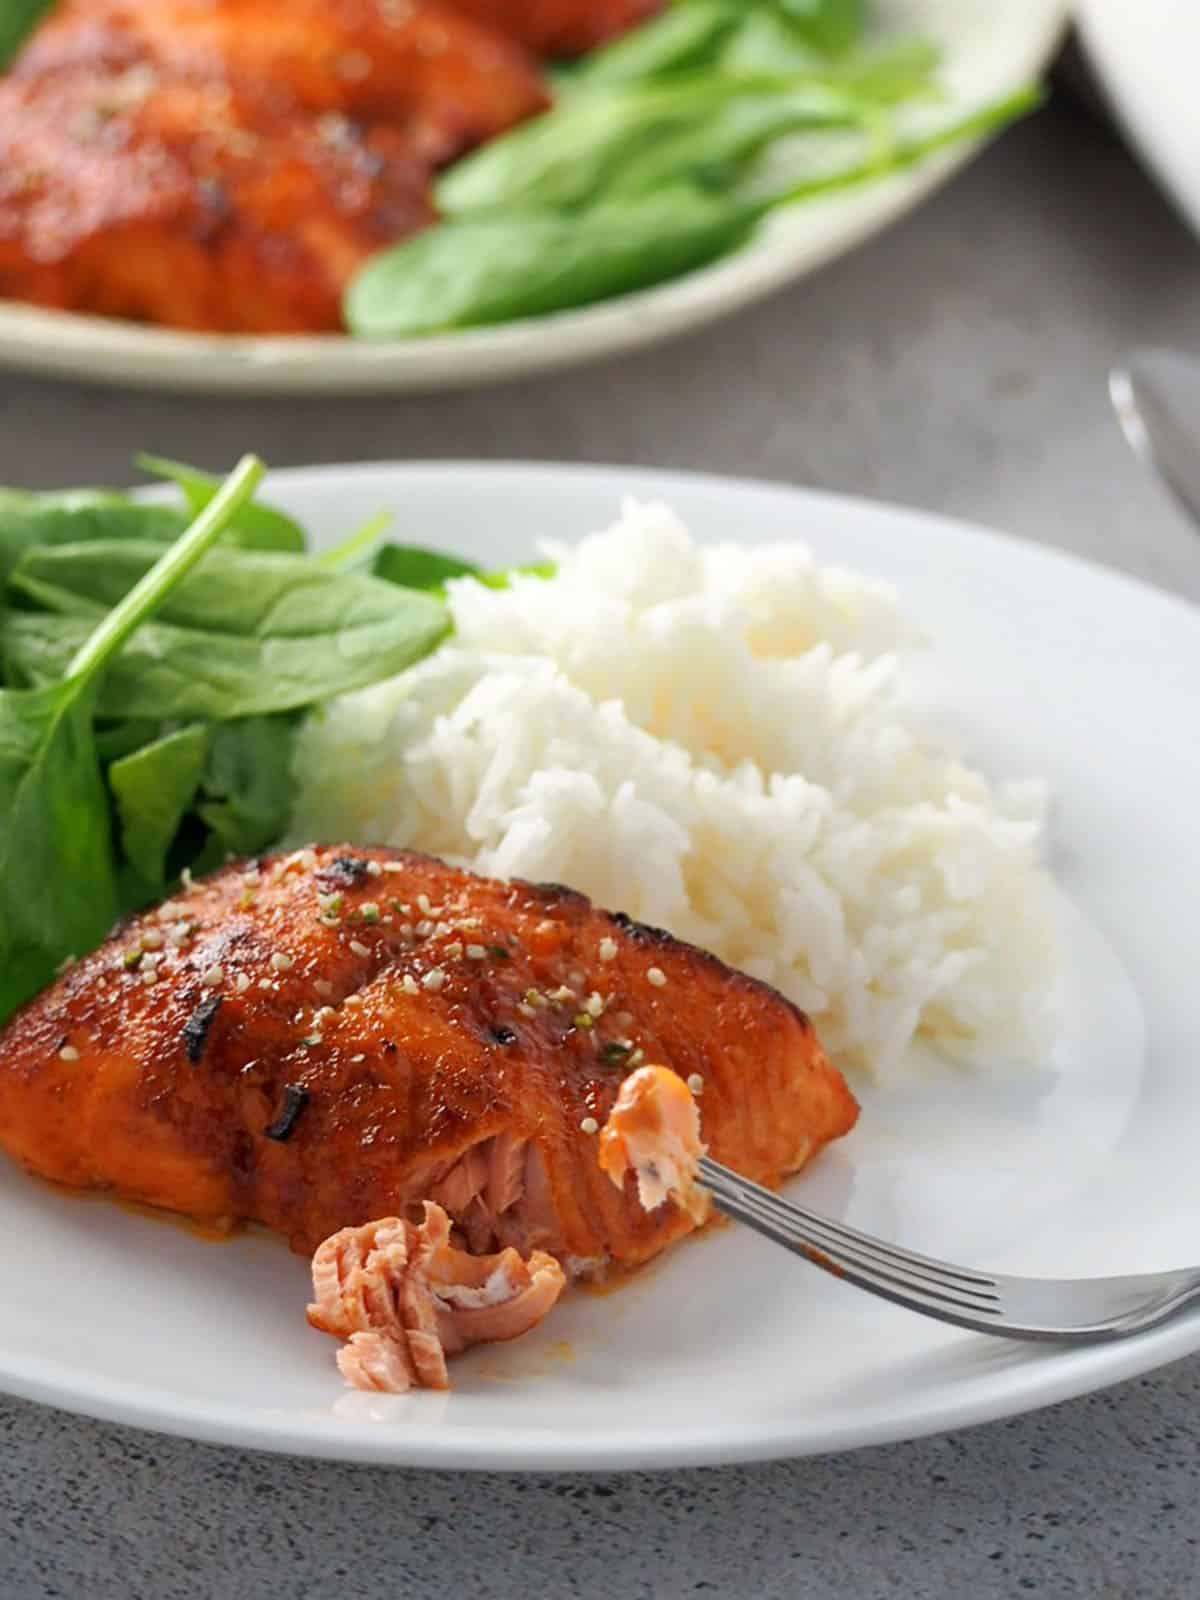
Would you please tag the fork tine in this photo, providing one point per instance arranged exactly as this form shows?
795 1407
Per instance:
975 1292
946 1306
712 1173
858 1264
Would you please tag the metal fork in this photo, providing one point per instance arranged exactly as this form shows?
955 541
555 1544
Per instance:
1075 1309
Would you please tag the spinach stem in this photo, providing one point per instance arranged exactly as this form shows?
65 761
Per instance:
358 544
907 153
170 569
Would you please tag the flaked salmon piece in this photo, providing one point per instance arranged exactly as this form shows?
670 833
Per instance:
404 1298
318 1040
653 1132
376 1361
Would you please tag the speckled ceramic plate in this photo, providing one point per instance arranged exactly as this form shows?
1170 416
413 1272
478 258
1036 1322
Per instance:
990 50
727 1348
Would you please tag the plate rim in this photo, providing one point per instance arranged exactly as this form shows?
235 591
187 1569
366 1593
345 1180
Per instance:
1049 1376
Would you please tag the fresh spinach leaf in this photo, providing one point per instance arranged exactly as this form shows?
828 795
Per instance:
115 739
502 578
248 633
719 151
153 789
356 550
684 37
411 567
198 795
76 516
903 70
766 41
58 885
58 892
18 18
834 26
258 526
570 155
247 787
471 271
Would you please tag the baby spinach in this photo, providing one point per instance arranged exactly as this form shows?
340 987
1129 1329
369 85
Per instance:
717 152
198 795
579 150
834 26
248 633
121 737
58 881
474 270
412 567
258 527
246 791
903 70
359 547
76 516
767 40
684 37
18 18
153 789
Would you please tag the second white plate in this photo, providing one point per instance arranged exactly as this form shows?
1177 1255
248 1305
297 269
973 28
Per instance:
990 50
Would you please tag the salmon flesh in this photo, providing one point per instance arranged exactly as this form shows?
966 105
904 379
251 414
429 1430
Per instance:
319 1040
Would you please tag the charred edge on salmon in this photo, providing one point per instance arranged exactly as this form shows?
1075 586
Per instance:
553 892
642 931
196 1028
295 1098
645 934
345 872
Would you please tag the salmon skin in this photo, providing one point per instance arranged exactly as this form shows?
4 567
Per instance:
319 1040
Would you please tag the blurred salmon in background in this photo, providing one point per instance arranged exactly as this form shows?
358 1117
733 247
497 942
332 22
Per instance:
226 165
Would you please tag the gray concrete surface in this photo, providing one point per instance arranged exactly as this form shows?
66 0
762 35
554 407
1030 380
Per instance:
957 363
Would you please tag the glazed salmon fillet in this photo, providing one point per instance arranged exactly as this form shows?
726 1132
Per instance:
227 165
402 62
560 27
197 216
321 1040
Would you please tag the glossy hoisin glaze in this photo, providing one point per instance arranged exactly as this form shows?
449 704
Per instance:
228 164
321 1039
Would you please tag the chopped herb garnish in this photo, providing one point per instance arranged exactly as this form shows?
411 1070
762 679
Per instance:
295 1098
348 871
615 1052
197 1026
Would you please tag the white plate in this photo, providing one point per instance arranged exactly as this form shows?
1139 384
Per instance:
1146 55
727 1349
990 50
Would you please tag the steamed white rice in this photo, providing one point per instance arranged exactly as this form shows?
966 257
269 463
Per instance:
714 739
